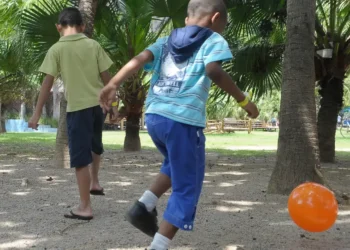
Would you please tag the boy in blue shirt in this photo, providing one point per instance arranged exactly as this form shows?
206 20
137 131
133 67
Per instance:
183 65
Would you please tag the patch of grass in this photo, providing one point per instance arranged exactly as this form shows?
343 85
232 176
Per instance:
25 139
219 143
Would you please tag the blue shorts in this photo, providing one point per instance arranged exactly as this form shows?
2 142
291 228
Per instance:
183 148
85 135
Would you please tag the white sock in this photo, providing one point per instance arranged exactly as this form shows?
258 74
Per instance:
160 242
149 199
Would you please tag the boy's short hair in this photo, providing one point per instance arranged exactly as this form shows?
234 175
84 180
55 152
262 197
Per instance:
70 17
198 8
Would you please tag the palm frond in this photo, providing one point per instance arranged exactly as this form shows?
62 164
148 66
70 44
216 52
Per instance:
252 17
175 10
38 22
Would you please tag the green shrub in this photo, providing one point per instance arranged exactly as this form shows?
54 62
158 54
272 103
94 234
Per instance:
12 115
49 121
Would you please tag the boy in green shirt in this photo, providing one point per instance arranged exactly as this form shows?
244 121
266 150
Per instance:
83 66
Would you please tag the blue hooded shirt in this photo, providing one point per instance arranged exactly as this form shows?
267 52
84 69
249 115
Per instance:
179 84
182 43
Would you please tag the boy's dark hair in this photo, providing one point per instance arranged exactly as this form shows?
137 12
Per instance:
198 8
70 17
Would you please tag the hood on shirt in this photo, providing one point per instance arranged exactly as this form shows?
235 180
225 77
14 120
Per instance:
183 42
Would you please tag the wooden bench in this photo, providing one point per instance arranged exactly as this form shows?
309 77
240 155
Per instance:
271 126
258 125
121 124
232 125
108 125
213 126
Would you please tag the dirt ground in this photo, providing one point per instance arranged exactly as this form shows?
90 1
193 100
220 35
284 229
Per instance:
234 212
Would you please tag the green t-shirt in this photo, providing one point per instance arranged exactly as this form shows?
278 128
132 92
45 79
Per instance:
80 61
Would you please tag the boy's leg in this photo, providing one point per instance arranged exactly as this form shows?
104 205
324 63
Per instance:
94 169
80 129
160 185
143 214
187 162
97 150
83 179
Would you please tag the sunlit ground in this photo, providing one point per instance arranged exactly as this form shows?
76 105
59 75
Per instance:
235 211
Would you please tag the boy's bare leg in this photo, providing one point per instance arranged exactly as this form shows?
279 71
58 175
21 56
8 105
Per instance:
161 184
83 179
167 230
95 167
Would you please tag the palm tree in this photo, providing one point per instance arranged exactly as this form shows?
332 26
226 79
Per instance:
263 20
16 71
297 156
125 33
124 30
332 65
17 77
347 92
88 9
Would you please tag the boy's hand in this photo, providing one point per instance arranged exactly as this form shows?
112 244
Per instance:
33 122
252 110
113 114
107 95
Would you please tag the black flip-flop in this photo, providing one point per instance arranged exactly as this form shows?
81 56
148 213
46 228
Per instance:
97 192
74 216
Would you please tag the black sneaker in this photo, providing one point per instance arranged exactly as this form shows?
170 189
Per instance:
143 220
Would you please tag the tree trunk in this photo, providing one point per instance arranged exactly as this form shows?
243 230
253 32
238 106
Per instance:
62 159
34 99
332 90
22 114
88 9
44 112
297 155
1 126
2 119
132 141
56 99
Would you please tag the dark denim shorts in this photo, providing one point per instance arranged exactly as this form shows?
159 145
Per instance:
85 135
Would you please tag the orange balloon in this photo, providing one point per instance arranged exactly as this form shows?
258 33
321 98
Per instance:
313 207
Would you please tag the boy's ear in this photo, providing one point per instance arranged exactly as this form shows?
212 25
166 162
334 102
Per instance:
216 17
83 28
59 28
186 20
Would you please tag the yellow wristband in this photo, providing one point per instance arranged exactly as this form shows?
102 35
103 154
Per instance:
114 104
244 103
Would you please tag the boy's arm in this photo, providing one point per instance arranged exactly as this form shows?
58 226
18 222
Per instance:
105 77
43 97
133 66
225 82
